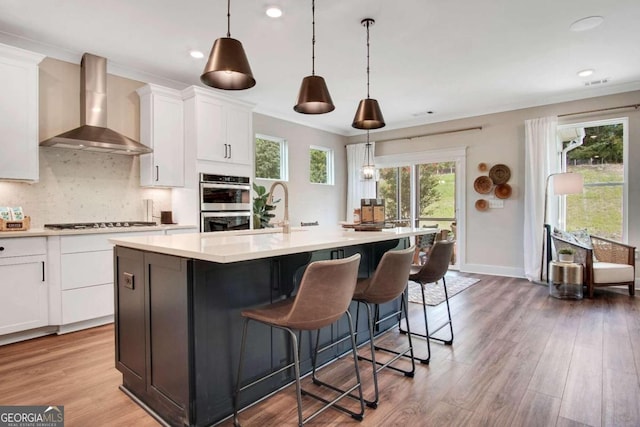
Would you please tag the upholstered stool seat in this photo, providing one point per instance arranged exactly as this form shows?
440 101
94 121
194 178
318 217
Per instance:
323 297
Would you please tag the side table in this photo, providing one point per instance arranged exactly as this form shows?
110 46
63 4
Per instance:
565 280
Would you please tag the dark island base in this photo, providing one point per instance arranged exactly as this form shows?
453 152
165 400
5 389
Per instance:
178 328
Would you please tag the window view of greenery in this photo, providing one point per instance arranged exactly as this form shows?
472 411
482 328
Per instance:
268 159
318 166
600 160
435 193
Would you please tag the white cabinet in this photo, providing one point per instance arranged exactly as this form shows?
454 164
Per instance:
19 113
23 286
162 129
219 127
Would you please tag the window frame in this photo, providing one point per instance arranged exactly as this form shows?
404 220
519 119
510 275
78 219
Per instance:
284 157
624 121
329 164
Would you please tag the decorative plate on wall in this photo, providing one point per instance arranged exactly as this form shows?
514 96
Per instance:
483 184
502 191
482 205
500 174
482 167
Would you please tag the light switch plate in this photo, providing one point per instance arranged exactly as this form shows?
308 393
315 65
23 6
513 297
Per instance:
496 204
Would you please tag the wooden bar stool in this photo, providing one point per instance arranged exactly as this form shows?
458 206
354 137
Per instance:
388 282
324 295
432 271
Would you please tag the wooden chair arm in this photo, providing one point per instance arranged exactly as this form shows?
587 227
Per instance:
608 250
613 242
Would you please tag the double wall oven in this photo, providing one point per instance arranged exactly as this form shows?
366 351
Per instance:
225 203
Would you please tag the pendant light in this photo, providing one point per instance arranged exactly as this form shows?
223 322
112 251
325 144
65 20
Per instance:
228 67
368 170
368 115
314 97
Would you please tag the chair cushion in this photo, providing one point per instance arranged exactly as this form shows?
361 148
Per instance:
606 272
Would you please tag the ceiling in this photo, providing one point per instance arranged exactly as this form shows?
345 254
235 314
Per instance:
454 58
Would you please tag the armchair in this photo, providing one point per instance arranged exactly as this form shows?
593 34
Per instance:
606 262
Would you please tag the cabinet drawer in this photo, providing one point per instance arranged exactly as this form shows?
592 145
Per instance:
86 269
96 242
87 303
20 246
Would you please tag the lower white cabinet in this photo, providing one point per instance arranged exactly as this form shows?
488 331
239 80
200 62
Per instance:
23 285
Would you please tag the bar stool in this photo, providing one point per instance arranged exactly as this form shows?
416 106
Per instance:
324 295
432 271
388 282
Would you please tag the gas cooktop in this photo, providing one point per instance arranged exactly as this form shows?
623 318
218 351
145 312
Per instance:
89 225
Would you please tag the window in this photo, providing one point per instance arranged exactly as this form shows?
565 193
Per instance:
320 165
271 158
599 156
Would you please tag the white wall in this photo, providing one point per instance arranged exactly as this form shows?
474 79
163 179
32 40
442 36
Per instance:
494 239
307 201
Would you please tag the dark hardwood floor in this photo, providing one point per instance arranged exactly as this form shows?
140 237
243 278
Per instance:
520 358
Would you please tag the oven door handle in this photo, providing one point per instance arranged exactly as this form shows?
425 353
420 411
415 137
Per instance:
221 214
225 186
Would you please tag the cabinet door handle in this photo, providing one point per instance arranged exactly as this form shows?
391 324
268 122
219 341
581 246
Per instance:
1 248
157 173
229 151
43 277
226 151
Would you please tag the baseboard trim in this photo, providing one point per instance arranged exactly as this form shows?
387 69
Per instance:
493 270
85 324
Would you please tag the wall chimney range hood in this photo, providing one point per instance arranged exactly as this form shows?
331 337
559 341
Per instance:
93 134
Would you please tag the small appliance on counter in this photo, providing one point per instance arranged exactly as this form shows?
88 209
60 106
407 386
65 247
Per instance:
13 219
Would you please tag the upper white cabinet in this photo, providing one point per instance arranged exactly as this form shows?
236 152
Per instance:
162 129
221 128
19 113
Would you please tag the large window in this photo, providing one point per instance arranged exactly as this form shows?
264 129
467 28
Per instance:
600 157
271 158
320 165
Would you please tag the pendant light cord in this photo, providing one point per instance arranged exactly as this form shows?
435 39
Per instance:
228 18
367 23
313 37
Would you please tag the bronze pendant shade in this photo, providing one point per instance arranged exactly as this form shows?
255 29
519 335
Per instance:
368 115
228 67
313 97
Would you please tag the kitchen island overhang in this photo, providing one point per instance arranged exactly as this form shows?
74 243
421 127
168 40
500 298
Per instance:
178 301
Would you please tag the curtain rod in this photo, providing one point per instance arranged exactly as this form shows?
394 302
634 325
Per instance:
636 106
444 132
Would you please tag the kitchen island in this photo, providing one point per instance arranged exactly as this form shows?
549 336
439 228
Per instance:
177 311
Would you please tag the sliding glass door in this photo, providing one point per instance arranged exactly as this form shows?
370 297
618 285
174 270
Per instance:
425 189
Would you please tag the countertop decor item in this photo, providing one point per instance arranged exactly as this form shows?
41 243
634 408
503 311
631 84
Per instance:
483 184
482 205
15 224
314 97
500 174
503 191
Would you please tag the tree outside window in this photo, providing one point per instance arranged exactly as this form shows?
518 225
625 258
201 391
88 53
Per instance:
320 165
270 158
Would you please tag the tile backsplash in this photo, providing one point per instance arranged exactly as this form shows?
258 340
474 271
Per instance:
79 186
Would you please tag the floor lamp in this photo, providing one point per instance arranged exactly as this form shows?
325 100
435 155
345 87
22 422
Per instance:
563 183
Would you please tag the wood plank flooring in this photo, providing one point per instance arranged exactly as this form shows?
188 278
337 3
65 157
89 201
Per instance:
520 358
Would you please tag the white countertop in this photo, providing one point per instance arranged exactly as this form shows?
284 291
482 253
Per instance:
226 247
39 232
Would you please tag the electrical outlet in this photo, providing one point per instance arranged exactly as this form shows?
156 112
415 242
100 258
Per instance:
496 204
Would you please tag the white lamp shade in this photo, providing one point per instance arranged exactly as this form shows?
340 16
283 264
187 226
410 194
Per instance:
567 183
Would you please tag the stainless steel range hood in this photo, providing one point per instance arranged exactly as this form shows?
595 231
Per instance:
93 134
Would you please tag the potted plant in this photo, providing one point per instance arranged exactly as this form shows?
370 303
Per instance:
261 209
566 255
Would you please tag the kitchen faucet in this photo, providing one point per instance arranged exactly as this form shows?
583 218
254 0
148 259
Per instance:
285 222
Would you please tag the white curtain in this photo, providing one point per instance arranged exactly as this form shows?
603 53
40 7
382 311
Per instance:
356 187
541 159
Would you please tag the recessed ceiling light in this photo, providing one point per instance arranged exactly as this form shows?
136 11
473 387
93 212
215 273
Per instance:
196 54
274 12
588 23
585 73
